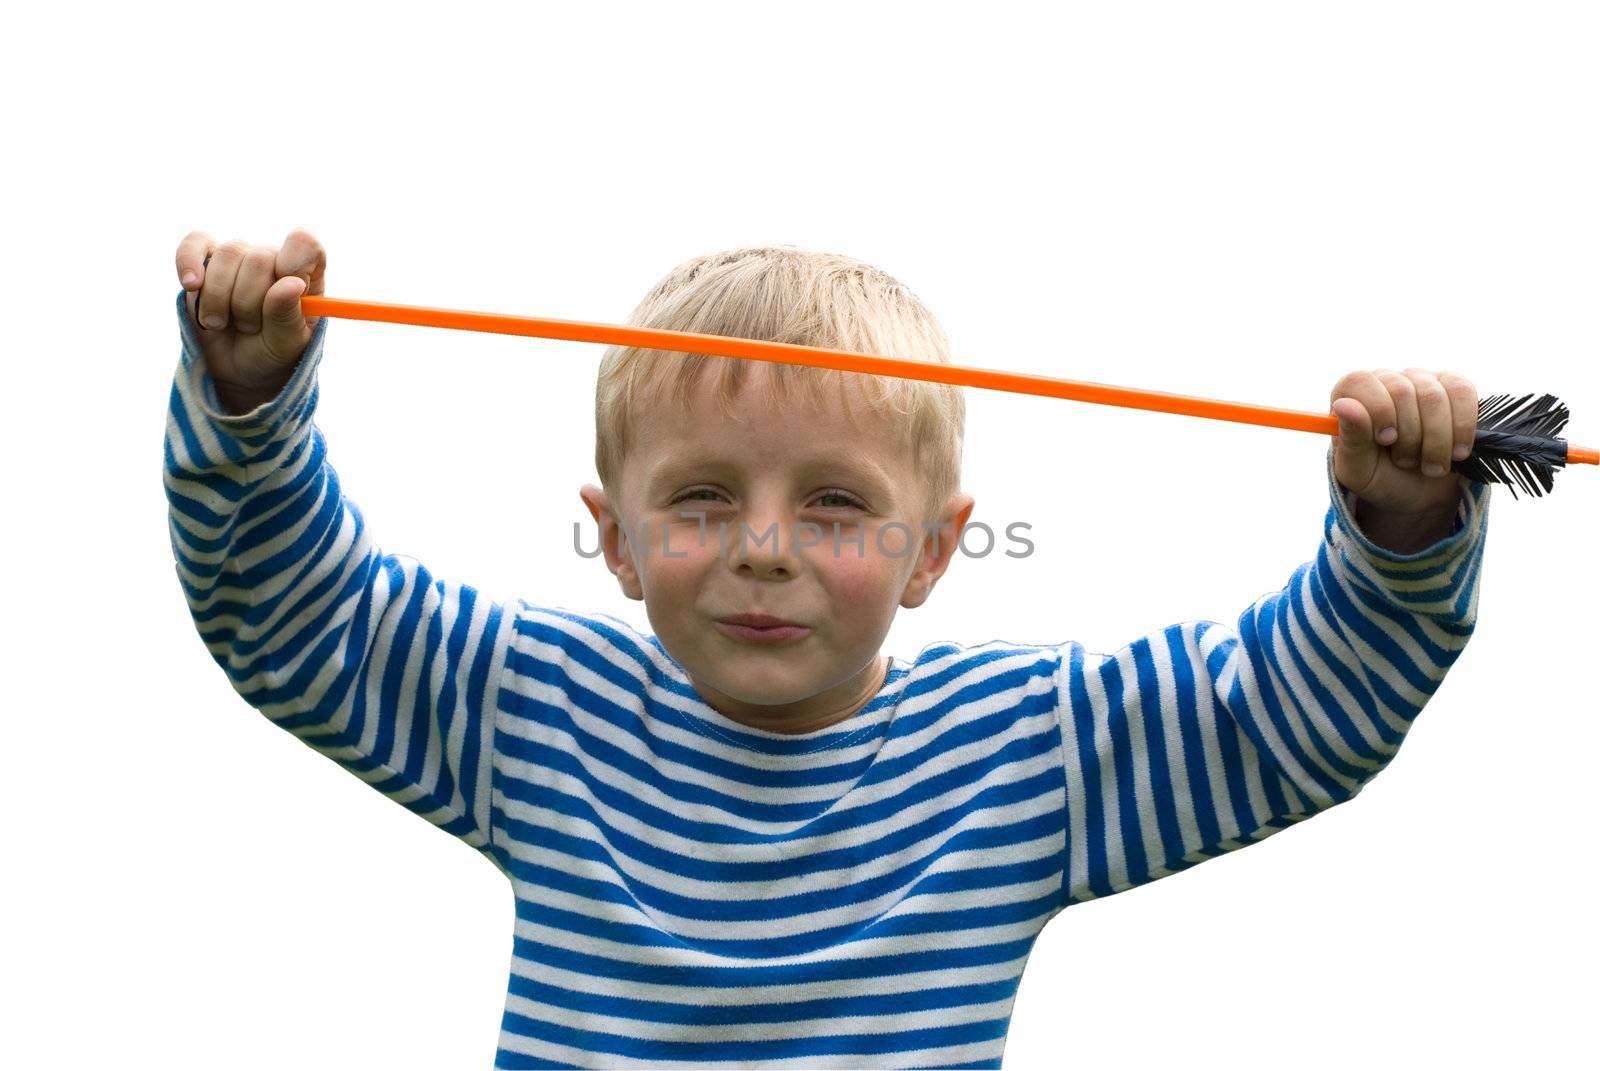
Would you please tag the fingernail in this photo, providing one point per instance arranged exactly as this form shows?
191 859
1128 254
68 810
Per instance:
1387 436
189 278
212 322
1433 468
1460 452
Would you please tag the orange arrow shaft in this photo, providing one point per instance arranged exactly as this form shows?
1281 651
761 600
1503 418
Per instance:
844 360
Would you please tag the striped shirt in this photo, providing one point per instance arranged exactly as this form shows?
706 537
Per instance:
691 892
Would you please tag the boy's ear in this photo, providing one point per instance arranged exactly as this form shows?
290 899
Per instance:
938 550
620 563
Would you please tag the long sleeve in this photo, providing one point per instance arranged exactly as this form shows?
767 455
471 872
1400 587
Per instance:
364 656
1201 739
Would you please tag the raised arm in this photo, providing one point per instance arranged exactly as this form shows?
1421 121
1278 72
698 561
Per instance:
365 656
1200 739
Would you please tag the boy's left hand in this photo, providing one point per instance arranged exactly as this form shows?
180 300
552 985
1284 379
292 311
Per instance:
1398 433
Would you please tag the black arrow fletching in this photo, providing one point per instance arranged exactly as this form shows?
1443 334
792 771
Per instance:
1516 443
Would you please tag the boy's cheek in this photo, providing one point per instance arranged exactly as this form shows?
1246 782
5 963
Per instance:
858 584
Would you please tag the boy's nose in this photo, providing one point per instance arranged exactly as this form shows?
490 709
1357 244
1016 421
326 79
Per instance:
763 545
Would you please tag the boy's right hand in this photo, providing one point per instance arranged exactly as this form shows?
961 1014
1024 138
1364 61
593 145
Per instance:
247 303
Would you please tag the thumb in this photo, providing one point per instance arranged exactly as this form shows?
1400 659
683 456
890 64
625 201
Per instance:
283 326
1355 452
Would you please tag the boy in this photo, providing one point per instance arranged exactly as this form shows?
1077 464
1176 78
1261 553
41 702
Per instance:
749 839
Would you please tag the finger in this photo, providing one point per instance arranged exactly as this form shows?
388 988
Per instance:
1433 411
250 287
192 253
1368 389
1353 417
1358 398
1407 445
283 327
303 256
216 293
1355 455
1463 412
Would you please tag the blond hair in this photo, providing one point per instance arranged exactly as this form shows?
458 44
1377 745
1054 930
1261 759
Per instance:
785 294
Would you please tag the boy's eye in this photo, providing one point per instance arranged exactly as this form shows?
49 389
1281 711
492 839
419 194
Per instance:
841 499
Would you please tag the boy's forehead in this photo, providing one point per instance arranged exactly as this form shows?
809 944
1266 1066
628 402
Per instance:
840 414
763 433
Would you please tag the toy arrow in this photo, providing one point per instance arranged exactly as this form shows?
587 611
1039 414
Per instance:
1516 442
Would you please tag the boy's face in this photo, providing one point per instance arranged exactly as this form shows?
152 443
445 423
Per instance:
757 489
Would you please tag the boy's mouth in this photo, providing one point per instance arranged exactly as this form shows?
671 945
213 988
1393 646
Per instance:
760 628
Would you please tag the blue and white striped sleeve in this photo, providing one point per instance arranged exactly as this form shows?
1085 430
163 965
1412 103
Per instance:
364 656
1201 739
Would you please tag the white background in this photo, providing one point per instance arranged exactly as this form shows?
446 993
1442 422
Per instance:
1237 200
